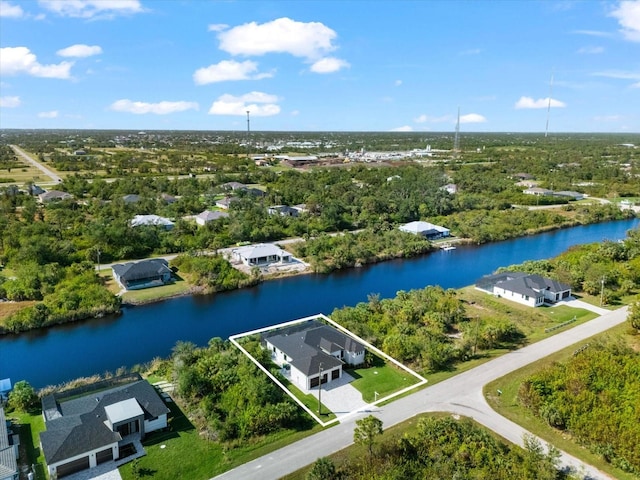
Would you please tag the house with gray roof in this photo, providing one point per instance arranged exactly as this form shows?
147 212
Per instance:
54 196
91 425
209 216
143 274
8 450
313 352
531 290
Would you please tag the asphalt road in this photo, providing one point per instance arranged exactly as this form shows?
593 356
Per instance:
36 164
461 395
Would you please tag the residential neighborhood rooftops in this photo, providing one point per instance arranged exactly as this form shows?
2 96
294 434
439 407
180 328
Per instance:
209 216
154 220
8 463
53 196
424 228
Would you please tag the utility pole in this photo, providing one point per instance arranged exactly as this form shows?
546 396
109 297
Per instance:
320 389
602 290
98 254
248 133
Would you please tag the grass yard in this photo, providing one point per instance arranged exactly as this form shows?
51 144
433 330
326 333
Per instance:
382 377
179 287
310 401
181 452
30 426
8 308
507 405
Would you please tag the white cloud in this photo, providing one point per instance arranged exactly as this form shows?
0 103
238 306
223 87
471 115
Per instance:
592 33
397 83
328 65
80 50
619 74
9 102
228 70
10 11
429 119
51 114
628 15
217 27
92 8
472 118
528 102
404 128
591 50
16 60
310 40
295 113
608 118
259 104
160 108
471 51
635 85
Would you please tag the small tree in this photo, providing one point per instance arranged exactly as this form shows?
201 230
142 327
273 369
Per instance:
23 396
323 469
634 315
366 431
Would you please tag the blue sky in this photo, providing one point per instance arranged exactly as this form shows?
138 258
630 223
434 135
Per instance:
321 65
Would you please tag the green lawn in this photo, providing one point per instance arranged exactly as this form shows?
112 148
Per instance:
382 377
181 452
179 287
507 405
30 426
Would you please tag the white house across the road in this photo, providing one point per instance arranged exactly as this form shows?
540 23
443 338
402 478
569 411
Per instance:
313 352
531 290
426 229
261 254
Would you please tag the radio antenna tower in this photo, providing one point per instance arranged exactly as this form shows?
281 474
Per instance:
546 128
456 138
248 133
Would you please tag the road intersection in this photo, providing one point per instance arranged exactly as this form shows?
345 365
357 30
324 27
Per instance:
459 395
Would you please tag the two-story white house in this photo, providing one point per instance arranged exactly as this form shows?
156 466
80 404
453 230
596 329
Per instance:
313 352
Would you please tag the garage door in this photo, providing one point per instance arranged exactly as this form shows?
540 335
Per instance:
73 467
104 456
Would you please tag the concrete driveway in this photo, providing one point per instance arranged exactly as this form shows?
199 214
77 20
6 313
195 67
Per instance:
340 397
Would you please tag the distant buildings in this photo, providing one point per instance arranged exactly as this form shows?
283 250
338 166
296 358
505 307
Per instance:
426 229
54 196
152 220
209 216
261 254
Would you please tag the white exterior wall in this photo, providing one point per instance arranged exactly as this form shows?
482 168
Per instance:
91 454
157 424
277 355
518 297
299 378
354 358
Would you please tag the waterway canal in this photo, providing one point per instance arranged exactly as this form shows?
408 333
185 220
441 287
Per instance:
142 333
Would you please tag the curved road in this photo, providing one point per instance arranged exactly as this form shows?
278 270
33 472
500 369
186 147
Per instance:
460 395
36 164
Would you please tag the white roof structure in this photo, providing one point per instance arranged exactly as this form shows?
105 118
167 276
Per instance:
124 410
209 216
139 220
422 228
260 250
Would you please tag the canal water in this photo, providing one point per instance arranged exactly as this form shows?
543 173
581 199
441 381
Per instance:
141 333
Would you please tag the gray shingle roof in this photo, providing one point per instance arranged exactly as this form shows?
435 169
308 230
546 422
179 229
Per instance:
81 426
8 464
132 271
310 343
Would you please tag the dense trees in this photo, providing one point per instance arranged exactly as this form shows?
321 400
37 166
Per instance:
213 273
229 397
595 397
445 448
22 397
